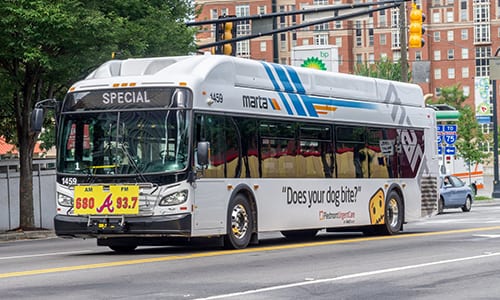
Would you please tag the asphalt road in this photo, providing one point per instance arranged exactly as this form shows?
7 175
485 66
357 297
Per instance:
451 256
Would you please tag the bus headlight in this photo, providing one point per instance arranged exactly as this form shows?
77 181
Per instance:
64 200
174 199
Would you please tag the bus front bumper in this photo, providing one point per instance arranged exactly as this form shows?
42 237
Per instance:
98 226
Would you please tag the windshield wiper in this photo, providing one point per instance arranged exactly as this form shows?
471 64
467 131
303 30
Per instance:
132 162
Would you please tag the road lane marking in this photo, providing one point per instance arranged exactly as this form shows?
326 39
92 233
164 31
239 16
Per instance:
46 254
350 276
233 252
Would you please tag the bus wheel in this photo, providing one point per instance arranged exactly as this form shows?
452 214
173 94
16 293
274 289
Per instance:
240 223
300 234
468 204
393 214
123 249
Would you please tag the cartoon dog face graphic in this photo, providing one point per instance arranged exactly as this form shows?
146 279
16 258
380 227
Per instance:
377 207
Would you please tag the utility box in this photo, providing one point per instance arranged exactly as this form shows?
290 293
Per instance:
316 57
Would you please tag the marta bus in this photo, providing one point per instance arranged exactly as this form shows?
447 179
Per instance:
154 150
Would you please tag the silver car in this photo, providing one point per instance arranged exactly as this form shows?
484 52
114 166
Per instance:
454 193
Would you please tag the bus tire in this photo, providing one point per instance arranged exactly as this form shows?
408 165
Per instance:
295 235
240 223
393 214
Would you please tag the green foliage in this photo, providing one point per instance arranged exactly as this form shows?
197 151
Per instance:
45 46
383 68
452 95
470 137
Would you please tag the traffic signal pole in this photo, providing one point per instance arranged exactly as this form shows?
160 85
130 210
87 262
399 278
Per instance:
382 5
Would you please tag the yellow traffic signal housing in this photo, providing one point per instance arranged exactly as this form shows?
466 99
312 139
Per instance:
225 31
228 34
416 28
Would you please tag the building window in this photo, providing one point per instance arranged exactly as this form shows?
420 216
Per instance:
437 73
466 90
450 35
242 29
436 17
370 37
382 19
359 36
464 34
449 16
262 10
263 46
395 28
338 41
465 72
481 21
359 58
396 56
451 73
283 41
451 54
482 60
383 39
337 24
321 39
371 58
464 13
465 53
321 27
437 54
418 55
437 36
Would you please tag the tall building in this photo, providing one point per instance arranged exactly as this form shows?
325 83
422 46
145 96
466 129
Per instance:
460 37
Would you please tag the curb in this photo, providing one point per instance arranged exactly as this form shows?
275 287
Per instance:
26 235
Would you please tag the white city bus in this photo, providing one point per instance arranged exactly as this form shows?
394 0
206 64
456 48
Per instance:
159 149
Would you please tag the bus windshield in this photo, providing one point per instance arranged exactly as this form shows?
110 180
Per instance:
123 142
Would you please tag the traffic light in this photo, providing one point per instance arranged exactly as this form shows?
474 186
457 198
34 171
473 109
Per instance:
416 28
225 31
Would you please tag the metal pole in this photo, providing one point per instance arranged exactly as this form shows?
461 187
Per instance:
496 184
402 39
494 75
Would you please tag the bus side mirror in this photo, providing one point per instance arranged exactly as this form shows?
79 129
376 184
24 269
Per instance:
37 120
203 153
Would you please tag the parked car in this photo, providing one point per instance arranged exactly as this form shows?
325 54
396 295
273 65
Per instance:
454 193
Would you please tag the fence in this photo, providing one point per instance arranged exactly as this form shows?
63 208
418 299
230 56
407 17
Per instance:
44 193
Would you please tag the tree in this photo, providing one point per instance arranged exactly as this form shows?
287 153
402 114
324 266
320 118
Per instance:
470 138
46 45
383 68
452 95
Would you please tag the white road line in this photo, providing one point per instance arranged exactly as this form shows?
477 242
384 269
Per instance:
45 254
351 276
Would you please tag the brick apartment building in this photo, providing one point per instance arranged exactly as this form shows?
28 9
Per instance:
460 37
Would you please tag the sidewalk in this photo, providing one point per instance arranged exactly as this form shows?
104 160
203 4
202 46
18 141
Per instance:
26 235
